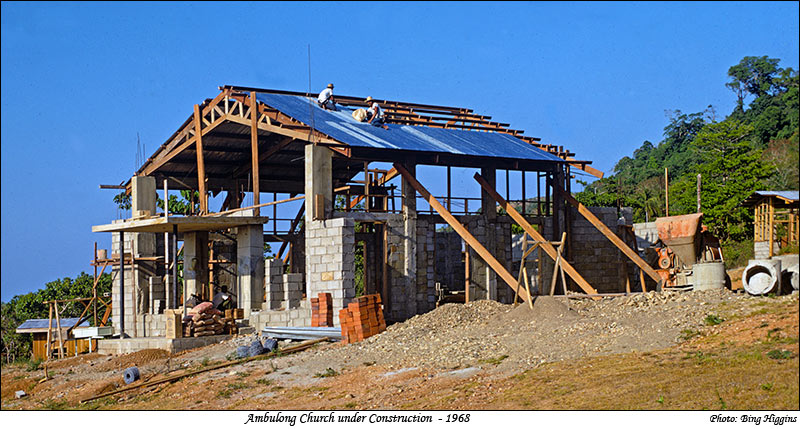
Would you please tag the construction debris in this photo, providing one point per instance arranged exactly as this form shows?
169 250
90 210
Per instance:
362 319
302 333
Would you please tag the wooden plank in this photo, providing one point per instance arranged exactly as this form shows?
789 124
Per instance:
613 238
49 332
460 230
545 244
254 152
201 166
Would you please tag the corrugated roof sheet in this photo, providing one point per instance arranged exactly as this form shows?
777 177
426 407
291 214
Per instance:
43 323
789 196
341 126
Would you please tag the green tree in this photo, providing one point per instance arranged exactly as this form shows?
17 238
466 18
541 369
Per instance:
753 75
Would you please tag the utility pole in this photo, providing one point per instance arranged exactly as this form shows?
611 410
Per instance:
698 193
666 189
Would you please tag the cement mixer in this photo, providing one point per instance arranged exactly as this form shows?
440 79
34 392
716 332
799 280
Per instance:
687 254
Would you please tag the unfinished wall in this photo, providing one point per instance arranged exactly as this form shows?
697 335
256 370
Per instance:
484 283
594 256
426 265
330 260
448 255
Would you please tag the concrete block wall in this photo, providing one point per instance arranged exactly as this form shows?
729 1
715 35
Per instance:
426 266
403 295
496 238
646 234
330 260
449 267
136 278
594 256
273 284
299 316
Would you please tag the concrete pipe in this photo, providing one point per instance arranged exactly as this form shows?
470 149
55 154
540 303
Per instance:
791 278
762 276
708 275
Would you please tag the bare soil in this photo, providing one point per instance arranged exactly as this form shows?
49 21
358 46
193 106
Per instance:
670 350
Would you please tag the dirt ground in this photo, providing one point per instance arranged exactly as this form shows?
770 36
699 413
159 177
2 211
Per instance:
657 351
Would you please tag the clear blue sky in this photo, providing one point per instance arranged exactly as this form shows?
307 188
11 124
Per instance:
80 80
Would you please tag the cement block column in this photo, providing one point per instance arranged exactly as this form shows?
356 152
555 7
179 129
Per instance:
250 266
318 181
410 234
195 262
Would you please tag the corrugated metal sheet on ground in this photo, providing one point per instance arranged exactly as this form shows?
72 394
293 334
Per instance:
43 323
302 333
341 126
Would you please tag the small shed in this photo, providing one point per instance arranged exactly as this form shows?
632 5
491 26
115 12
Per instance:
775 220
72 345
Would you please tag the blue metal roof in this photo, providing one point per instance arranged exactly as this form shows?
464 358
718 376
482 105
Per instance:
788 195
43 323
341 126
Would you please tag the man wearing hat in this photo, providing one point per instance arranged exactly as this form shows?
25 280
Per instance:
325 99
375 113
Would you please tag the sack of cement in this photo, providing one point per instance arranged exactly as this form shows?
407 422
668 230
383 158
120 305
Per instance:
360 115
201 308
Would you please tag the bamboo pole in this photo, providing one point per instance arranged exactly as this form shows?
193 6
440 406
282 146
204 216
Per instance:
49 332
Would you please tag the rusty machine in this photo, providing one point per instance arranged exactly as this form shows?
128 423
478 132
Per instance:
682 242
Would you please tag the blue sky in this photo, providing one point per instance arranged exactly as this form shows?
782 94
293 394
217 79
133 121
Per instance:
80 80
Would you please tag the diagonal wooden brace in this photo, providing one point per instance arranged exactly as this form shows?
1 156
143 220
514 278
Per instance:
468 238
633 256
545 245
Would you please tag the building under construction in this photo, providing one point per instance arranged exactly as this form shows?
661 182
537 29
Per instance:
270 147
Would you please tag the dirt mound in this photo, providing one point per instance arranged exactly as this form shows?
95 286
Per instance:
134 359
455 315
545 309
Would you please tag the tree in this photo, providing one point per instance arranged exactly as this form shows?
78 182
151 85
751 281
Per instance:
731 168
753 75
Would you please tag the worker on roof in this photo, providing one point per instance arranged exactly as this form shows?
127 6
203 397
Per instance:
375 113
325 99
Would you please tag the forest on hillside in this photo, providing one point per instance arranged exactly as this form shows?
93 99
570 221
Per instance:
753 148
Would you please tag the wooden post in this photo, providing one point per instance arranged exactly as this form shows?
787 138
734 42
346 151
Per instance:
460 230
466 272
201 165
254 152
49 332
666 190
94 286
175 302
122 284
449 196
545 245
60 336
524 195
771 230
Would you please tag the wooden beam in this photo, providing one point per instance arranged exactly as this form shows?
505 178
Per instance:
633 256
201 166
254 151
545 244
460 230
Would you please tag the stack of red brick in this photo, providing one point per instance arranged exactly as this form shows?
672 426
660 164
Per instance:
362 319
322 310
